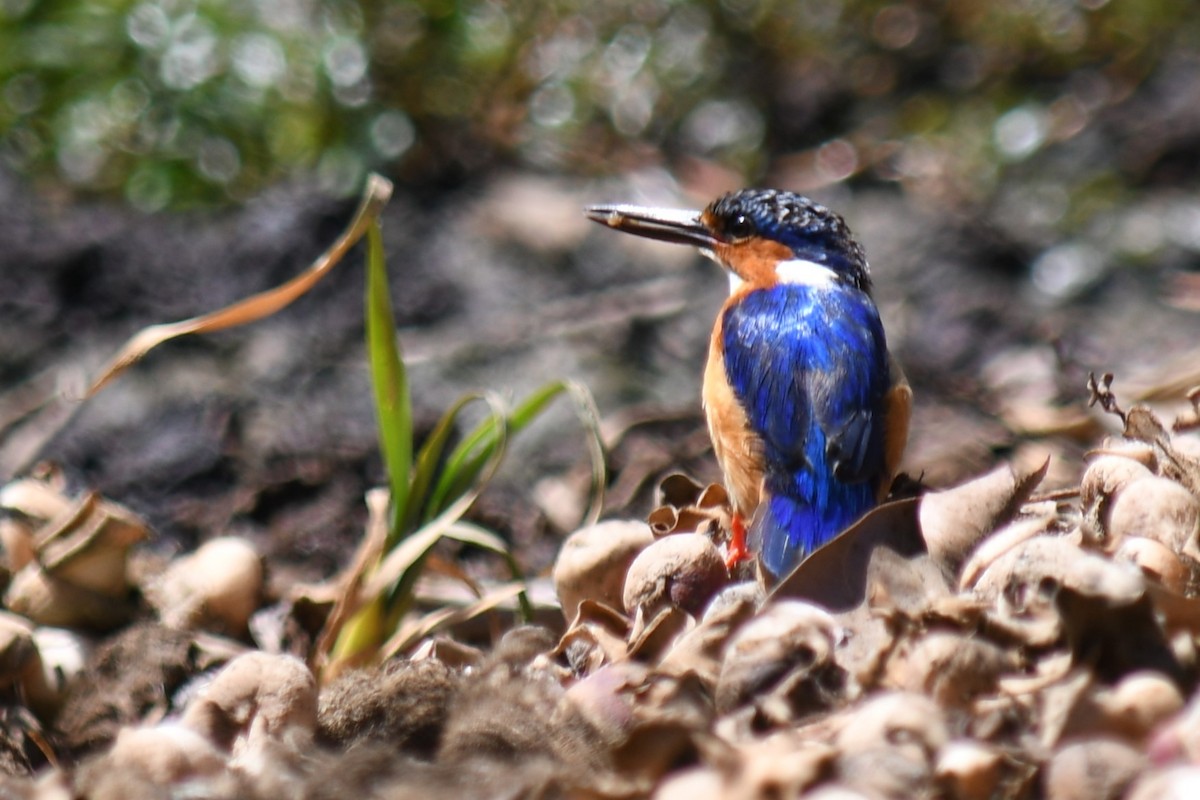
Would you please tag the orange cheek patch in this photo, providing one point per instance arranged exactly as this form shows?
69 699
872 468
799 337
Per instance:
753 260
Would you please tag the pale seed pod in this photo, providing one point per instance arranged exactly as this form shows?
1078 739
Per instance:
1138 704
593 561
682 571
1092 769
970 769
1106 475
1159 509
1176 783
1157 561
218 587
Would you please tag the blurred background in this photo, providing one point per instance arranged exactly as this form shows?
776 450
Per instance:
1023 174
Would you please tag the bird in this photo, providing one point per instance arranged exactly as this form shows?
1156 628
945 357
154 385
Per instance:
806 407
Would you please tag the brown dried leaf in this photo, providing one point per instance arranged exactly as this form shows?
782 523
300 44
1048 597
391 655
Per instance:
1024 583
1160 509
1141 424
650 637
669 714
605 698
1131 709
782 764
597 636
678 490
412 631
887 745
41 500
952 668
375 196
699 650
1157 561
1058 700
1179 614
782 662
345 588
1107 474
1116 635
1104 610
79 573
867 639
687 507
453 654
835 575
954 521
1000 542
87 544
909 587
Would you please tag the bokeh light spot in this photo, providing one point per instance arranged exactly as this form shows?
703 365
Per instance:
258 59
392 133
552 105
896 27
1020 132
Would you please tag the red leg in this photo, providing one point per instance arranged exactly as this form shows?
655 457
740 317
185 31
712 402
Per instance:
737 551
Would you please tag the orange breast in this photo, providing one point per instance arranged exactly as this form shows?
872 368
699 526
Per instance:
897 414
739 452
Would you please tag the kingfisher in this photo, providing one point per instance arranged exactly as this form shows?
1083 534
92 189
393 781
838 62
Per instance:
807 410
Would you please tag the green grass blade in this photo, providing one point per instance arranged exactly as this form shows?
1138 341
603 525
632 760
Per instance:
425 469
359 639
393 404
589 416
401 566
465 463
468 459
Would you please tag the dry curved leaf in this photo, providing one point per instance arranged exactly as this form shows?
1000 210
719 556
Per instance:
375 196
954 521
1001 542
597 636
835 575
698 651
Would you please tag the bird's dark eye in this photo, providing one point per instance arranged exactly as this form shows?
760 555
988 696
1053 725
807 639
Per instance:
740 227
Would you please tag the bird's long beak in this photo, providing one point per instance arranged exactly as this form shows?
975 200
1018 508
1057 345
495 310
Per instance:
664 224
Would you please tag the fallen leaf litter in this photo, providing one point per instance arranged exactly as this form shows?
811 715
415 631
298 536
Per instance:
974 642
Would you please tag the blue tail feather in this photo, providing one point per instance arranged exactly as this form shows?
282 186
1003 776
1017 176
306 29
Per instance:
787 529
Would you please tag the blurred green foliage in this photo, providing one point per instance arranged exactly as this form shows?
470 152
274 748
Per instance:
175 102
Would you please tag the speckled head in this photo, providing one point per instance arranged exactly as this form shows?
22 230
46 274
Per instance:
756 230
761 236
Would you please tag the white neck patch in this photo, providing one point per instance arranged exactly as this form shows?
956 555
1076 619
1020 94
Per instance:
735 282
804 272
797 271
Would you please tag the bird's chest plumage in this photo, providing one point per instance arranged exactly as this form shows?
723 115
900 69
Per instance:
791 368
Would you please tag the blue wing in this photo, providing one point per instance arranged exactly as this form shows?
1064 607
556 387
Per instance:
810 367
